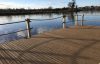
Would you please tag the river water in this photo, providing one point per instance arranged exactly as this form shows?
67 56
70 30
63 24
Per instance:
41 26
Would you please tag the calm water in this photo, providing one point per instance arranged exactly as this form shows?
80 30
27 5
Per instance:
41 26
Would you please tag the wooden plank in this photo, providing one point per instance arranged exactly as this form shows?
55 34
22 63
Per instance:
65 46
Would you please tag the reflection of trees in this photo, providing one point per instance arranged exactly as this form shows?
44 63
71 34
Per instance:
9 18
49 15
71 17
72 9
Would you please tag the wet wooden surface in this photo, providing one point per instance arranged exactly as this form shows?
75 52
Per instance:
80 45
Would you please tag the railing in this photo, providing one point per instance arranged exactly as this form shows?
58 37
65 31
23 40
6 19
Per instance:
28 28
83 20
76 20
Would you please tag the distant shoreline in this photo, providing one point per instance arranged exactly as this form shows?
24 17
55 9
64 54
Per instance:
32 11
7 12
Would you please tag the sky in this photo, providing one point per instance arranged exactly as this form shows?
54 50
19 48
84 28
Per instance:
44 3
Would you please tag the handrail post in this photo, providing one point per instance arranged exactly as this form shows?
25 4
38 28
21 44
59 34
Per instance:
28 28
64 21
76 20
82 20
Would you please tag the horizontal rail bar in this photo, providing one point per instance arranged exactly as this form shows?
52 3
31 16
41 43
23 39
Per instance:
12 23
91 15
32 19
46 19
85 15
89 20
92 20
15 32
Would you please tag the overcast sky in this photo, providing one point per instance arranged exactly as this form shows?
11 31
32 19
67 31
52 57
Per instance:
44 3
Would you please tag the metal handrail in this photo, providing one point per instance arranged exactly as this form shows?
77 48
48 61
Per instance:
32 19
12 23
88 20
46 19
27 22
85 15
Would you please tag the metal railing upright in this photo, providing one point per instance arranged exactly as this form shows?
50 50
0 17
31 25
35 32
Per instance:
28 28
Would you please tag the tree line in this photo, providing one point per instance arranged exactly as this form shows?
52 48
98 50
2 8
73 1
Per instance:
47 10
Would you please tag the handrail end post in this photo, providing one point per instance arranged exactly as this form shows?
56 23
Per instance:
28 28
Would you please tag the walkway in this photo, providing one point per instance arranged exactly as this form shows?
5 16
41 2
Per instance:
80 45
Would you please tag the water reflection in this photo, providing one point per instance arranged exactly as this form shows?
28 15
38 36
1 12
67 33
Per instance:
9 18
71 20
42 30
21 33
71 17
39 26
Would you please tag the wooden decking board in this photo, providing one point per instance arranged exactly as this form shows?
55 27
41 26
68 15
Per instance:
78 45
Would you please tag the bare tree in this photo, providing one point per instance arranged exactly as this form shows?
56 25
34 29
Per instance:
72 5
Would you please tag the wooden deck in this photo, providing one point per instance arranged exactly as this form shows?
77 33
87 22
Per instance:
80 45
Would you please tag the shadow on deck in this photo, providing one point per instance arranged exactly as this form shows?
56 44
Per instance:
65 46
